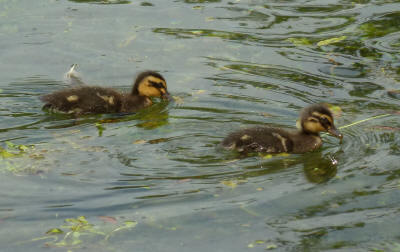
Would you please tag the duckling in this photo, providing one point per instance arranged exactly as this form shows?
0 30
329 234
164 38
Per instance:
313 120
84 99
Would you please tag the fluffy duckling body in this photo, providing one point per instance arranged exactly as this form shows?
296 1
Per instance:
313 120
84 99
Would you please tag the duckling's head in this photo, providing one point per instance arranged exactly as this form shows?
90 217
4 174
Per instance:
150 84
317 118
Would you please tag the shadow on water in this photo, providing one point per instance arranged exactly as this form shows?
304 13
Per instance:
317 167
149 118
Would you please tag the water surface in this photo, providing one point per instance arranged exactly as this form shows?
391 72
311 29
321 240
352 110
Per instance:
156 181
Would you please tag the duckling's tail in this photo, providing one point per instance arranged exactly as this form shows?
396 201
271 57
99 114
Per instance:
72 77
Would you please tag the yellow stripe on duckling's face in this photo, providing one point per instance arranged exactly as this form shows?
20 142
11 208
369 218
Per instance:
152 86
312 124
321 122
317 114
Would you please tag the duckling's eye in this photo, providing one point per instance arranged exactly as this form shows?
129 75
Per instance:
325 121
156 84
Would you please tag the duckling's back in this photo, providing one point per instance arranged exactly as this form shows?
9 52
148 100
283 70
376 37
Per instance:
259 139
83 100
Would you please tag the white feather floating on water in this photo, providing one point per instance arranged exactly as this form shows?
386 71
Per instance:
72 77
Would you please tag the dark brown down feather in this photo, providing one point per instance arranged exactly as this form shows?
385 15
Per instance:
313 120
83 99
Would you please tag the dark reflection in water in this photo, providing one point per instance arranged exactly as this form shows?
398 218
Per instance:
150 118
347 72
364 89
192 33
153 117
318 169
381 25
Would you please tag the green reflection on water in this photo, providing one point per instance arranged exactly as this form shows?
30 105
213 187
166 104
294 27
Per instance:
384 25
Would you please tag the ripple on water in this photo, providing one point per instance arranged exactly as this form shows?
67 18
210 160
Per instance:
390 43
102 1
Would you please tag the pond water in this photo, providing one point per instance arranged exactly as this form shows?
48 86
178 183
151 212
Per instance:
156 181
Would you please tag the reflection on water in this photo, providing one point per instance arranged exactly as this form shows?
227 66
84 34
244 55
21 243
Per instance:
158 175
319 169
102 1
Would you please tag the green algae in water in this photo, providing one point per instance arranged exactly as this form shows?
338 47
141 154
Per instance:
77 232
379 28
331 41
300 41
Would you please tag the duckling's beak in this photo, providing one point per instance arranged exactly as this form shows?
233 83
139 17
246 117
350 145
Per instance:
336 133
166 96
